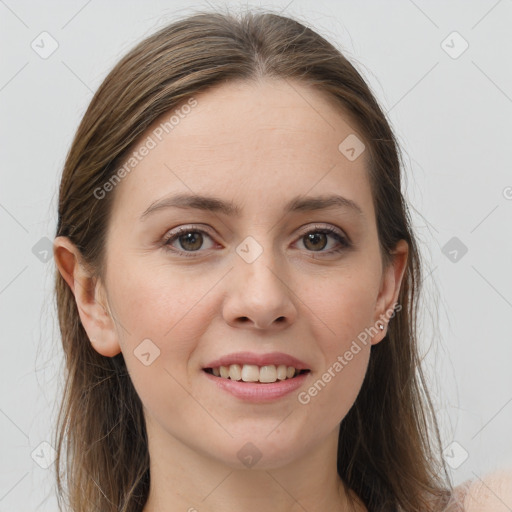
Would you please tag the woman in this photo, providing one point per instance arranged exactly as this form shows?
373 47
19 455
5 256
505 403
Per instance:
237 285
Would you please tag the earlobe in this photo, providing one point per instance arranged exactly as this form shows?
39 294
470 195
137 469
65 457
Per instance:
89 296
390 289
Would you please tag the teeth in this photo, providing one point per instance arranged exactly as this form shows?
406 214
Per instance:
250 373
268 373
282 371
253 373
235 372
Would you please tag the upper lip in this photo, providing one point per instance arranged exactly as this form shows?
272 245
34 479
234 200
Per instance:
275 358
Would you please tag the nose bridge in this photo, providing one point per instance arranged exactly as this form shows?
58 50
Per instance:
259 267
259 292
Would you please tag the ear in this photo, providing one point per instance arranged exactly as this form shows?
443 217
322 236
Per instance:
90 297
390 289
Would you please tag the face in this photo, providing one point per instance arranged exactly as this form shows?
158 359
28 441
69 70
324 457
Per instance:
262 270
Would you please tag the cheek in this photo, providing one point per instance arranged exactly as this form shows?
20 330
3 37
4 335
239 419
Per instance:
341 309
344 306
152 299
169 308
334 390
160 317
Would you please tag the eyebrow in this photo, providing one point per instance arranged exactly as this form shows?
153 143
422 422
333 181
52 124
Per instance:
213 204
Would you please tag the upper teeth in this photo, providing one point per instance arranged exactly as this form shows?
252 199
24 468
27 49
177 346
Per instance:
253 373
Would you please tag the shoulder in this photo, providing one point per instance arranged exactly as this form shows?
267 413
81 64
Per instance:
490 493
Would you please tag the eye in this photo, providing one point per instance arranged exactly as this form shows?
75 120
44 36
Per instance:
189 239
317 239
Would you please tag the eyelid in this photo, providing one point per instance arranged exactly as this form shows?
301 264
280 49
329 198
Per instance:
329 227
185 228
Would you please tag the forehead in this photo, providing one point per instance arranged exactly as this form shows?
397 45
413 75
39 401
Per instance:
250 142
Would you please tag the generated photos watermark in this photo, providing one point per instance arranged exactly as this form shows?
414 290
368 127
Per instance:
151 142
304 397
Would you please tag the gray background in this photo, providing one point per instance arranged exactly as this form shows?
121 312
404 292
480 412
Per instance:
451 113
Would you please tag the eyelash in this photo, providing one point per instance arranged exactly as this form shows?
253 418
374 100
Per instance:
344 243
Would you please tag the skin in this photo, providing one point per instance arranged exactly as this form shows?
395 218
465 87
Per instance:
492 493
257 145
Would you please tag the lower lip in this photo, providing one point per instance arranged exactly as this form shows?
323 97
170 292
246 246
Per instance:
255 392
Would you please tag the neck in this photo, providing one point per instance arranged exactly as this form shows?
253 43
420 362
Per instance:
184 480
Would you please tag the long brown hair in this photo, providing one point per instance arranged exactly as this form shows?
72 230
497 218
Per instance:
389 449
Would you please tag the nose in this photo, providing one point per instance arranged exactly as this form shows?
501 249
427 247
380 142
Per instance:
259 295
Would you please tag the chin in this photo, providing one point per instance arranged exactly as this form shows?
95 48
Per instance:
262 451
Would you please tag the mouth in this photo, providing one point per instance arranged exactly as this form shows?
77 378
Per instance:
267 374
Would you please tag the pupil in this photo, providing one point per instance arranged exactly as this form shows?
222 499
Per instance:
195 239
